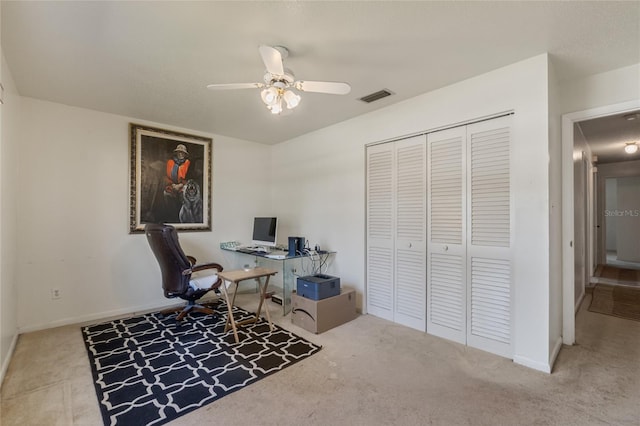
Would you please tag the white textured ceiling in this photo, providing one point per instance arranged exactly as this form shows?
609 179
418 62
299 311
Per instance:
152 60
607 136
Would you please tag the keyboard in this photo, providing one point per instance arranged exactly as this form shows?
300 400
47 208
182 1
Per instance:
253 250
273 254
248 250
276 256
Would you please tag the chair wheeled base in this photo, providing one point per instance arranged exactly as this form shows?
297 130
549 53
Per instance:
190 307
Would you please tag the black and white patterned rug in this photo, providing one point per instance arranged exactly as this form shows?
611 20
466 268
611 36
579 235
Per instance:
149 370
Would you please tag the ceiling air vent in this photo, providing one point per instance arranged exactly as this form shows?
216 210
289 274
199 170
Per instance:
377 95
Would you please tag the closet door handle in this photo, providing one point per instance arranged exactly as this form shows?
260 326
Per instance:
446 248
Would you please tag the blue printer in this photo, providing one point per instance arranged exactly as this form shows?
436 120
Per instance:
318 287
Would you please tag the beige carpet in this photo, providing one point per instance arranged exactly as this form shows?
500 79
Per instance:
370 372
617 300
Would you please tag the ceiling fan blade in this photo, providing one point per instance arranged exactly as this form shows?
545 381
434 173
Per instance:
331 87
272 59
229 86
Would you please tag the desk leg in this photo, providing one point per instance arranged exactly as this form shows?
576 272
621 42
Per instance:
263 296
230 318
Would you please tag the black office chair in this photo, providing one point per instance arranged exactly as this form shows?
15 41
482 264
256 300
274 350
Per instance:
176 268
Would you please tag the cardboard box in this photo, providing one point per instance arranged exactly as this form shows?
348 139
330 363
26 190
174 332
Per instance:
318 286
318 316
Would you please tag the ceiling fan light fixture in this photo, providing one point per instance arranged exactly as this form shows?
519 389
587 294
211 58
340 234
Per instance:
277 107
292 99
278 82
270 96
631 148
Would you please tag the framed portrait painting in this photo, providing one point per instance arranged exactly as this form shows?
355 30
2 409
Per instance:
170 179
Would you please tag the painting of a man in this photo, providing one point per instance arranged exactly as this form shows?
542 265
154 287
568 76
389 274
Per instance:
175 180
171 180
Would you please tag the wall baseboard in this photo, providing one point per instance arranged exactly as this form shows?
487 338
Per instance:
7 360
545 368
579 301
556 350
100 316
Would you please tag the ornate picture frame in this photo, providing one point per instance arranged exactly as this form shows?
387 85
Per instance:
170 179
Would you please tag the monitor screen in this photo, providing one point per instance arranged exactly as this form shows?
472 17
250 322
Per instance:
265 231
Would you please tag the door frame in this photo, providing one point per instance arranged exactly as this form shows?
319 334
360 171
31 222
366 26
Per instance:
569 306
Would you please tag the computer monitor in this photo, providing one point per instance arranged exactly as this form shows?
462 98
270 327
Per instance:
265 231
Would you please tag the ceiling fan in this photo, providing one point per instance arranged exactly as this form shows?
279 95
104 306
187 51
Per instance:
279 82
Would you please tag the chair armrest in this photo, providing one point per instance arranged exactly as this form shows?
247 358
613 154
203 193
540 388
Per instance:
204 266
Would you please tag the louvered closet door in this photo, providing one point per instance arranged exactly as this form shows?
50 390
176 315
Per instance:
410 233
489 240
380 230
446 234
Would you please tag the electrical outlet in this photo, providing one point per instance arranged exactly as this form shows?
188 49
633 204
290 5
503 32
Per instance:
55 293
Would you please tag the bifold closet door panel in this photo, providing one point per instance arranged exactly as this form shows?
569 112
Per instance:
396 231
410 233
489 239
446 234
380 230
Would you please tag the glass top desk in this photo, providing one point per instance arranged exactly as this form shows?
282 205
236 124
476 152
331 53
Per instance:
289 268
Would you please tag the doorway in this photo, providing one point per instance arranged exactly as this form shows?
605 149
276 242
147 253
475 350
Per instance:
573 292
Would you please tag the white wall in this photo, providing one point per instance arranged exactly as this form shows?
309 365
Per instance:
609 88
319 182
74 207
9 120
555 216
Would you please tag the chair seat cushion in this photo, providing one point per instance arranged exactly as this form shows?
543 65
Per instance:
203 282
